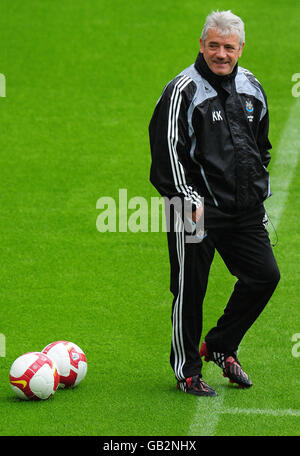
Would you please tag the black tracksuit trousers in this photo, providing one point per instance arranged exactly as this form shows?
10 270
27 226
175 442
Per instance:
243 243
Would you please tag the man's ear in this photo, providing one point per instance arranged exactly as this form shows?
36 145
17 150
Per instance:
201 45
241 50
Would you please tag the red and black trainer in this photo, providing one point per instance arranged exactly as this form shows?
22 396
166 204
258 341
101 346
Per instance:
230 365
195 385
233 370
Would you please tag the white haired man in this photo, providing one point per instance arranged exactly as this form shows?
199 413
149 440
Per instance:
209 138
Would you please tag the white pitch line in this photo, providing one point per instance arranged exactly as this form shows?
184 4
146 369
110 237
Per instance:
268 412
206 418
286 161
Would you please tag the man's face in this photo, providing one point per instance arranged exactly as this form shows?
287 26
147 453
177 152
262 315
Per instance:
221 52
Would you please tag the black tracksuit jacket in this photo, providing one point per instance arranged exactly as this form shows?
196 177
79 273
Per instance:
209 138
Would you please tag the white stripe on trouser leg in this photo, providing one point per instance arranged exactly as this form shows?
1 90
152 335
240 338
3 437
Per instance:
177 338
177 318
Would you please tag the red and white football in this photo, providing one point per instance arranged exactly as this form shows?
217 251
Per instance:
70 361
34 376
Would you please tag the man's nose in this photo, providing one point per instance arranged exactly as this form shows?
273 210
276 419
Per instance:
221 53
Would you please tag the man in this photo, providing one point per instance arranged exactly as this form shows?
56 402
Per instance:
209 138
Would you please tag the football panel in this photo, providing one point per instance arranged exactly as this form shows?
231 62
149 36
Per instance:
82 369
19 393
42 383
66 382
77 348
60 355
21 364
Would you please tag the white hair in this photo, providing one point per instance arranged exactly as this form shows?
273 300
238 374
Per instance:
226 22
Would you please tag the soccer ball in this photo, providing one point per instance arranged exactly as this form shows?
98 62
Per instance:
70 360
34 376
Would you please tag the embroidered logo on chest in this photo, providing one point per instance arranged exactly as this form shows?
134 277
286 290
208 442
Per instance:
249 105
250 109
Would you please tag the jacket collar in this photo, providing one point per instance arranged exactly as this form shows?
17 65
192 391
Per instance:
214 79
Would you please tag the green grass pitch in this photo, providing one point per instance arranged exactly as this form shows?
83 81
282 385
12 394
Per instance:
82 80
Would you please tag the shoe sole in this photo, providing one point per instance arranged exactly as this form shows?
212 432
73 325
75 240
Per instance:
239 384
211 393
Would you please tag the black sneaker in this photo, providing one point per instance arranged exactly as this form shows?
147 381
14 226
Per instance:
230 365
195 385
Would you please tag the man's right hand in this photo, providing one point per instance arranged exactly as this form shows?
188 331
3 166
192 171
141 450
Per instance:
197 214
